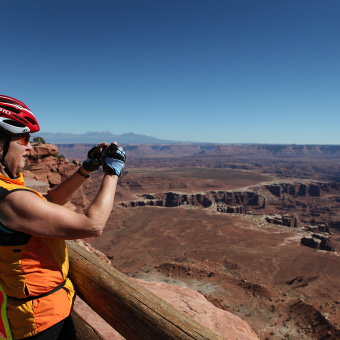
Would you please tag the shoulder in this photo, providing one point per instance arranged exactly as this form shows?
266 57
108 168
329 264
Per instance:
14 203
21 209
4 192
20 196
26 212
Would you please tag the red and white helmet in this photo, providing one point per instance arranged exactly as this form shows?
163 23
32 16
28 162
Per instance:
16 118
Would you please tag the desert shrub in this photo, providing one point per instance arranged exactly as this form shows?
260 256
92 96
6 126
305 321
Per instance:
39 140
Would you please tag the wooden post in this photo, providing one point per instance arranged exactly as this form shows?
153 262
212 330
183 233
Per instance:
129 308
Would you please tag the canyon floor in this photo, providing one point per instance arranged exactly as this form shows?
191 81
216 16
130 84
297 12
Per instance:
241 263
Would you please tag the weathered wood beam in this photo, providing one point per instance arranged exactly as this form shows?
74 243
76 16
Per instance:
131 309
83 330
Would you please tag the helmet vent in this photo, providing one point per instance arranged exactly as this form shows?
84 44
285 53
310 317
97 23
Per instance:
14 123
31 120
10 108
22 119
5 100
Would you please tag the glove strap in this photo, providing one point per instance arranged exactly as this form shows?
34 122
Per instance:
82 174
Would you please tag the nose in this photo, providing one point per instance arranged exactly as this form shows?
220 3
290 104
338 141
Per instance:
29 146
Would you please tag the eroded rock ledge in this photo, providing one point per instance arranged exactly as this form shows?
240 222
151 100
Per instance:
45 165
223 201
302 189
248 201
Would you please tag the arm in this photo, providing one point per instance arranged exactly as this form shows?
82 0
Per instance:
63 192
26 212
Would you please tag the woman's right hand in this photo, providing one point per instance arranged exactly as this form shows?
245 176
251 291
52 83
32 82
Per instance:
113 159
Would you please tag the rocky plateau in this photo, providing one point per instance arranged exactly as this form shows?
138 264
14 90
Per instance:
255 231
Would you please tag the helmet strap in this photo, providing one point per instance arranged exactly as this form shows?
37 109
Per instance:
4 153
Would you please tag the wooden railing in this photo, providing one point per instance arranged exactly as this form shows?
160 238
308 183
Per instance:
129 308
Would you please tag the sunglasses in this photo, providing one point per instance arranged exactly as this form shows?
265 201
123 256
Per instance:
24 140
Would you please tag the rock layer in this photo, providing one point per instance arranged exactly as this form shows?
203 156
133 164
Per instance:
188 301
225 200
45 165
195 305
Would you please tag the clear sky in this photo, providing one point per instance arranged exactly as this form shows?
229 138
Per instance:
220 71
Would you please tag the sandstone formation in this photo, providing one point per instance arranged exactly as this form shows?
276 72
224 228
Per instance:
318 241
301 189
226 200
195 305
320 228
94 251
242 202
286 220
188 301
45 165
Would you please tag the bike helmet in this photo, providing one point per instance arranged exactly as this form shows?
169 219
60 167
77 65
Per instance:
15 119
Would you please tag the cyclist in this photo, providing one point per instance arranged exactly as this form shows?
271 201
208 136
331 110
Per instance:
36 296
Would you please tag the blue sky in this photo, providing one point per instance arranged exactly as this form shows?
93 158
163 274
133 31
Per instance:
216 71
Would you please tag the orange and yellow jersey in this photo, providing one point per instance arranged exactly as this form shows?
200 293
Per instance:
30 267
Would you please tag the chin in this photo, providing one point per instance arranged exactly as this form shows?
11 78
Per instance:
20 167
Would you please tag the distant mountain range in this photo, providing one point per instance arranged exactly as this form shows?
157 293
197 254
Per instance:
94 137
215 151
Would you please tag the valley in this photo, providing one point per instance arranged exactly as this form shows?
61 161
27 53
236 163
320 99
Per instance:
168 226
257 232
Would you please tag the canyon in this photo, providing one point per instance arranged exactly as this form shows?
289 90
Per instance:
256 233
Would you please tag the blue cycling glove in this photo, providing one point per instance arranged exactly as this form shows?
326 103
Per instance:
114 160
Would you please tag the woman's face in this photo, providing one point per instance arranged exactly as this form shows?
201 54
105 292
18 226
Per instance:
17 153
